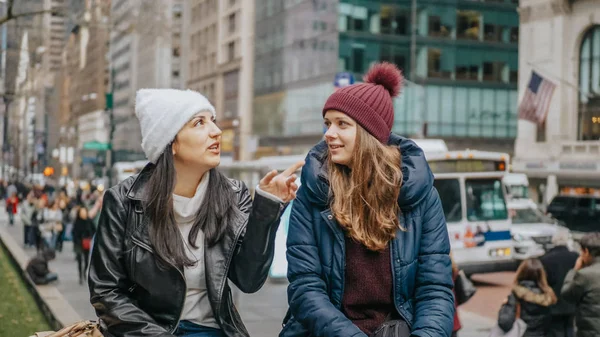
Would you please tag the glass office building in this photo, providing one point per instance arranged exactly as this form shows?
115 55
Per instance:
460 61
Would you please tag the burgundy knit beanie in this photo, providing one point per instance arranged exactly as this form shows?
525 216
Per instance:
370 104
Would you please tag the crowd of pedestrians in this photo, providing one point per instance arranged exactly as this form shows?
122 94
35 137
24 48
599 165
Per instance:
50 217
557 295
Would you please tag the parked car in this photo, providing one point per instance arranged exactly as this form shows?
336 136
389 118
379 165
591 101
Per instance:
532 230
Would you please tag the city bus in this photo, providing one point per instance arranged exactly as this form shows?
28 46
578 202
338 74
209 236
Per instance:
474 202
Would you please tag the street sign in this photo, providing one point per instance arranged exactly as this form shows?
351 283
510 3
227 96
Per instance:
97 146
343 79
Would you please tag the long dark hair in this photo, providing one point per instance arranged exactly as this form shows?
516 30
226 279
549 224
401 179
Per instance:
217 211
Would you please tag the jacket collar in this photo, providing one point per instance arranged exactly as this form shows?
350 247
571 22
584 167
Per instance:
528 291
138 188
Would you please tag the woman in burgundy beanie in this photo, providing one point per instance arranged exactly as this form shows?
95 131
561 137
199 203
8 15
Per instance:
368 248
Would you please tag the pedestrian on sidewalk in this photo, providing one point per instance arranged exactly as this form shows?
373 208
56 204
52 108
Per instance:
83 231
12 204
65 222
368 246
582 287
37 221
37 267
52 224
171 238
27 211
530 300
557 263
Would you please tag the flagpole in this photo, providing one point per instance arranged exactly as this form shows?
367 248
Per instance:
557 78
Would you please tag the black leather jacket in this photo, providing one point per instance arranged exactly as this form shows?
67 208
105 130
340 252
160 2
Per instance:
133 297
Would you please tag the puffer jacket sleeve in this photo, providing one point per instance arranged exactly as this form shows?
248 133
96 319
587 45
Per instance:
307 295
434 302
108 282
254 255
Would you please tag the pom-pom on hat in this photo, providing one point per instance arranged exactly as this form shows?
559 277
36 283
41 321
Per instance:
370 103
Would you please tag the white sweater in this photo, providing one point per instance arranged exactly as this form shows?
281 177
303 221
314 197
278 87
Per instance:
197 307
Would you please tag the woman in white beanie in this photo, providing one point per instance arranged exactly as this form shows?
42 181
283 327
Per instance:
170 238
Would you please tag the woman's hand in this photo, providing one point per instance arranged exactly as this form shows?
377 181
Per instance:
282 185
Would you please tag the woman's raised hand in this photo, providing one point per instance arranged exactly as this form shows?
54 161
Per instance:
282 185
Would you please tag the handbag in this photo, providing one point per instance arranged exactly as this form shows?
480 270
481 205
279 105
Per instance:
464 288
518 329
79 329
86 244
392 328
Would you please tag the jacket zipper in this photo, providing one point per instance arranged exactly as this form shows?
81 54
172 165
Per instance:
343 246
149 249
392 258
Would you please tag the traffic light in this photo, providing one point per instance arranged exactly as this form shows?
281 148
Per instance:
48 171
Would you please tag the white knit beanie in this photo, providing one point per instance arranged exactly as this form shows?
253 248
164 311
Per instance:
162 113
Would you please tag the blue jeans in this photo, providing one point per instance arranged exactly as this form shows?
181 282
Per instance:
189 329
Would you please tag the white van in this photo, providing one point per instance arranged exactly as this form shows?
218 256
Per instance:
532 230
517 186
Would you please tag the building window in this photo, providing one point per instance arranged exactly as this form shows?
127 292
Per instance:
492 71
514 34
492 33
589 84
231 23
230 51
541 133
468 24
514 76
468 73
358 60
176 73
393 20
393 55
436 28
357 21
177 11
176 51
434 63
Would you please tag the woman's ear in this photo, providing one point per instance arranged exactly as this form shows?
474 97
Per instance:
174 146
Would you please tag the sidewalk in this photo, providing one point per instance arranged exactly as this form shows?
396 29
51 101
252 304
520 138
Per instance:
65 266
262 312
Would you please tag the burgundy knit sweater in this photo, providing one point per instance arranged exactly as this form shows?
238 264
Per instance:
368 287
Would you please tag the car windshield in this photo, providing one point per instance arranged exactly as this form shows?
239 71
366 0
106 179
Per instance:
518 191
449 191
485 200
528 216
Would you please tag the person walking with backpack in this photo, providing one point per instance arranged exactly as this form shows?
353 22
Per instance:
530 300
368 247
171 238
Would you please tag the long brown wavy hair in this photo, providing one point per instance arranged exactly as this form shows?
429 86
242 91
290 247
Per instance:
533 270
364 195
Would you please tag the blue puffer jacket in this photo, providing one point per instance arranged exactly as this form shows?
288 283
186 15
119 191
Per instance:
420 255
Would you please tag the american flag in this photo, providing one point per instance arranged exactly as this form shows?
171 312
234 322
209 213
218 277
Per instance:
535 103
